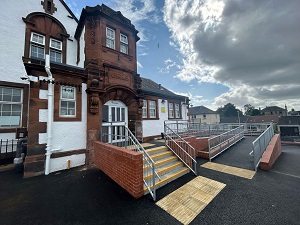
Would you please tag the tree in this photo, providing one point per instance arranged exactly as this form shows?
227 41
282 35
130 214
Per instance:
251 110
248 109
229 110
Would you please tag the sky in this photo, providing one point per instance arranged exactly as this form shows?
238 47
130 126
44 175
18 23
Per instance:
217 51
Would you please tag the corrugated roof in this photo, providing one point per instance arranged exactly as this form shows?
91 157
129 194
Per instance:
198 110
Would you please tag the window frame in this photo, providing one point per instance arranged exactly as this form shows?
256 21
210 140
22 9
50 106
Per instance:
55 49
149 117
61 98
37 44
125 44
2 102
174 111
110 38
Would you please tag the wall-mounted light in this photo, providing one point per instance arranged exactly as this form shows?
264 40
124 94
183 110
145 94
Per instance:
163 101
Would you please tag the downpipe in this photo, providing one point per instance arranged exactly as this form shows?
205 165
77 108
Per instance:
50 115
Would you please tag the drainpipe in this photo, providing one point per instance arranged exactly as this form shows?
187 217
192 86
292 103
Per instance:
50 115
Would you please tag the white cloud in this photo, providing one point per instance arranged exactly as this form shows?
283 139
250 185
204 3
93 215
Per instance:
139 64
250 46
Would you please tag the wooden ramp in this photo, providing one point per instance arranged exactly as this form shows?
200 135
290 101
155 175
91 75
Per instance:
188 201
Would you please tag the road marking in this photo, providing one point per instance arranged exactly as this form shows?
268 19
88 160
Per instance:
188 201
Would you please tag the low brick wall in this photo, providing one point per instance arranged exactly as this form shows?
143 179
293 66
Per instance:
200 145
123 166
271 154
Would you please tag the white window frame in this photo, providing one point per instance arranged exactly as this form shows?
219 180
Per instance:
55 49
113 39
124 43
11 103
177 110
145 109
67 100
37 44
152 110
171 110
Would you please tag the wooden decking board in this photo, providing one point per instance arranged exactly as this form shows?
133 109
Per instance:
240 172
188 201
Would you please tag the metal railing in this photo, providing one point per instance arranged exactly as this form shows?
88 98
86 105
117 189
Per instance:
118 134
8 148
219 143
260 144
183 150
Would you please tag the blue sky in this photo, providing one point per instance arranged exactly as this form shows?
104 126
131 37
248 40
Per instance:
217 51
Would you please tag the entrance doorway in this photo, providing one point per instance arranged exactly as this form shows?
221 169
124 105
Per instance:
114 118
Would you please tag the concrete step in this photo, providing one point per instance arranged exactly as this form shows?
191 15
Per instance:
163 162
157 150
169 177
170 167
161 156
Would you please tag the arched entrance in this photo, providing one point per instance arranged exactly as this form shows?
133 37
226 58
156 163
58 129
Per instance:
114 117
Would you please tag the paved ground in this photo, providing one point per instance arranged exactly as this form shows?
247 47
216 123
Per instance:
80 197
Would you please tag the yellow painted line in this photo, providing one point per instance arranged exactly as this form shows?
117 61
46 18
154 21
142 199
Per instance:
249 174
188 201
132 147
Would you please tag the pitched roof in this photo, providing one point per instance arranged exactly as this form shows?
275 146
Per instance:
264 119
289 120
149 87
234 119
272 108
197 110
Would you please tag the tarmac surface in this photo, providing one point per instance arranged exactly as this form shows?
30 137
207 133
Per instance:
87 196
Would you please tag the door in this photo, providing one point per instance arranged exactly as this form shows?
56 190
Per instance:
115 117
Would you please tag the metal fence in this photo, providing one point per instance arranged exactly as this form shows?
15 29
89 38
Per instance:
260 144
118 134
182 149
220 143
8 148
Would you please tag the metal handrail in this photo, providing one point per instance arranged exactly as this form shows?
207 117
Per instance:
183 155
225 140
260 144
130 142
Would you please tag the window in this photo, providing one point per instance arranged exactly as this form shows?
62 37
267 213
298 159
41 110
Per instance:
10 107
177 111
171 110
152 109
145 111
124 44
110 38
174 110
55 50
37 46
67 101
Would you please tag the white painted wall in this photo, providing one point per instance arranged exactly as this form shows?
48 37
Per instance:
156 127
61 163
209 119
12 36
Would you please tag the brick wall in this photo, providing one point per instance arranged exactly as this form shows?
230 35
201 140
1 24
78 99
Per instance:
123 166
200 145
271 154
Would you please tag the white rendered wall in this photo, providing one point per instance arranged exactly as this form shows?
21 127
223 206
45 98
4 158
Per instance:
9 136
12 36
61 163
156 127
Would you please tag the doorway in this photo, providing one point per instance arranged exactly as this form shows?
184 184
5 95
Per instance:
114 119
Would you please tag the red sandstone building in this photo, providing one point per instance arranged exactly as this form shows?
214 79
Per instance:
91 80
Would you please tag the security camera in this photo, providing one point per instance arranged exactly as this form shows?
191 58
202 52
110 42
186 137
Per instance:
24 77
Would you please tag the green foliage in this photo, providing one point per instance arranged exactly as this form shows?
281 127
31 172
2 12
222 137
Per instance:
229 110
250 110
